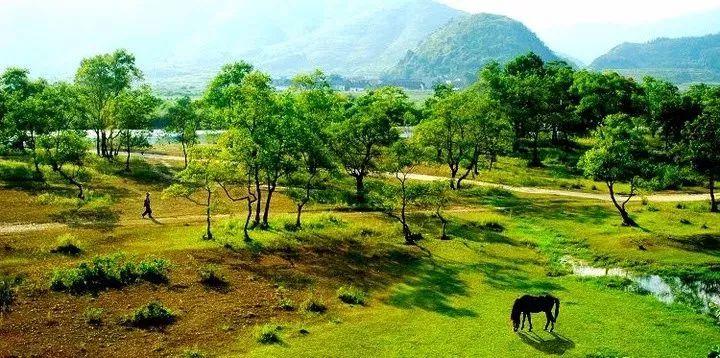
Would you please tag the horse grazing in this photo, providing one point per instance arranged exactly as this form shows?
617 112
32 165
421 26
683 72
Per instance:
531 304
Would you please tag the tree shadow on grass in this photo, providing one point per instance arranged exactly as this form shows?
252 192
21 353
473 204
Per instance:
558 345
431 290
511 277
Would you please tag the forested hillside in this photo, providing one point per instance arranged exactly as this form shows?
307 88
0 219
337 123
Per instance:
459 49
681 60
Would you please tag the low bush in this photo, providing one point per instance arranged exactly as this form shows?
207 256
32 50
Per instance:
714 352
193 353
16 172
154 314
108 272
351 295
314 305
286 304
67 245
7 292
210 276
93 316
268 334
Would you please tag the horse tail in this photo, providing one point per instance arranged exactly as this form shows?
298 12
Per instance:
515 314
557 307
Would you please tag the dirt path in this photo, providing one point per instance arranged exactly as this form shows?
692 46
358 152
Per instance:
569 193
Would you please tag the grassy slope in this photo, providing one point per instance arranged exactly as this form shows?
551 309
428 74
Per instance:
455 302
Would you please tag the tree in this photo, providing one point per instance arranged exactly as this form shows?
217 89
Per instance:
602 94
315 107
25 111
435 196
238 170
101 79
132 112
203 172
668 109
463 127
184 120
402 159
620 154
64 152
359 140
702 140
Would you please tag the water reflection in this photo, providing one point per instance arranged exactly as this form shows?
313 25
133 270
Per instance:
702 296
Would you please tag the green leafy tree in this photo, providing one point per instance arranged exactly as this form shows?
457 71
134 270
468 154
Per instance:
602 94
184 120
132 112
702 140
198 181
65 153
101 79
368 128
620 154
402 159
668 109
238 171
315 106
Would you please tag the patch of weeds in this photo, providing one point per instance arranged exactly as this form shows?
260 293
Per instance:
211 276
366 232
286 304
493 226
154 314
7 292
680 206
324 221
16 173
653 208
93 316
685 222
108 272
351 295
193 353
314 305
594 188
556 269
67 245
268 334
303 331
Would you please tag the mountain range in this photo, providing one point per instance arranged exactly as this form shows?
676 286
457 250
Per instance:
180 46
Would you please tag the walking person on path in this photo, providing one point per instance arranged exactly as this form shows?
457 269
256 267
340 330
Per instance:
146 204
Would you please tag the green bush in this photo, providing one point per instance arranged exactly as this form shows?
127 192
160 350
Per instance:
714 352
193 353
154 314
314 305
7 292
268 334
211 277
286 304
67 245
16 172
351 295
93 316
108 272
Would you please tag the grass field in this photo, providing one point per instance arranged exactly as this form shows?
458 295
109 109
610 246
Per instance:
441 298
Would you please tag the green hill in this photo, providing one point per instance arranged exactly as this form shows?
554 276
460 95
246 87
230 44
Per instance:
459 49
681 60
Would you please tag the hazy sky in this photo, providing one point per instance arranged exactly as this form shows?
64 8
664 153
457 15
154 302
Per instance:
552 13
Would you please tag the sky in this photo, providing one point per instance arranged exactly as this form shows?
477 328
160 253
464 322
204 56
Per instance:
546 14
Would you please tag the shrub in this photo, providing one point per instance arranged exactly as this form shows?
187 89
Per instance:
15 172
286 304
108 272
7 292
67 245
351 295
93 316
268 334
685 221
493 226
154 314
211 277
680 206
652 208
314 305
714 352
192 353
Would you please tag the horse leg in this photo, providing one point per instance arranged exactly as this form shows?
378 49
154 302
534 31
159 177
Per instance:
530 321
523 321
549 319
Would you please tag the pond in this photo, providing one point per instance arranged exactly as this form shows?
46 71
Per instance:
701 296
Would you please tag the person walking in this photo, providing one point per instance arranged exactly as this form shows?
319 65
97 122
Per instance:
148 210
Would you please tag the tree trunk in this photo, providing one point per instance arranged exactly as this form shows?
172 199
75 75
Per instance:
535 161
103 145
627 220
403 216
266 212
713 202
71 180
453 173
443 223
127 159
97 142
300 206
184 149
247 218
360 188
258 199
208 232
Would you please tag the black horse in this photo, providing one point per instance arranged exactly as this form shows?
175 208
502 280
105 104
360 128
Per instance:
531 304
